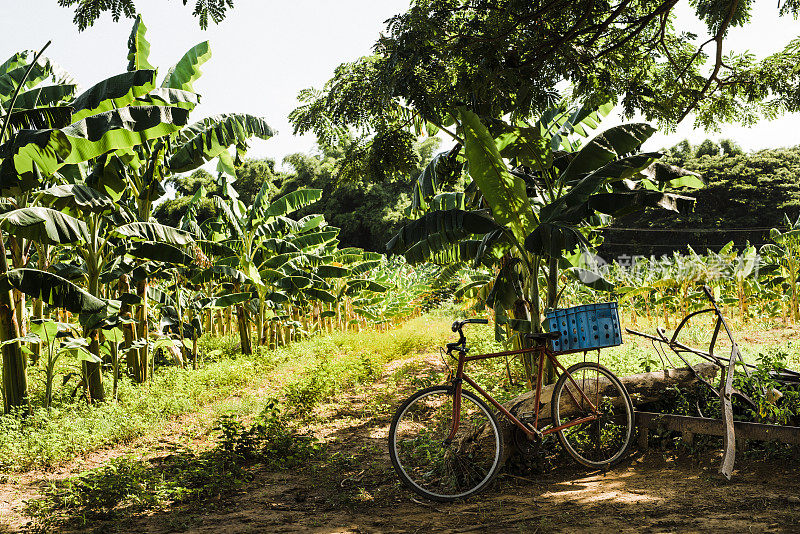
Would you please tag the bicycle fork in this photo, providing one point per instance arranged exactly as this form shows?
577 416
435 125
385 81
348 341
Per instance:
457 382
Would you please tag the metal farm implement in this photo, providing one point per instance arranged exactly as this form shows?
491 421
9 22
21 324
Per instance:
725 427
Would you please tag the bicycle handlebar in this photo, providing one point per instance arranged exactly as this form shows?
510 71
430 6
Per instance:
459 324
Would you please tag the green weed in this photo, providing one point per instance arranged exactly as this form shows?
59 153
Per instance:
127 485
302 374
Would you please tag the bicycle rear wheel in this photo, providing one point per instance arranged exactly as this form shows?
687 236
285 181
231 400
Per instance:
429 466
598 443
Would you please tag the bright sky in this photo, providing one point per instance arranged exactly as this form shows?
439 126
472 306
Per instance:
265 52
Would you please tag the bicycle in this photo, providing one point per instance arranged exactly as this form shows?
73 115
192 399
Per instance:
446 444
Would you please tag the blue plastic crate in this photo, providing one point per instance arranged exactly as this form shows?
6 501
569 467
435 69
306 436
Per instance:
591 326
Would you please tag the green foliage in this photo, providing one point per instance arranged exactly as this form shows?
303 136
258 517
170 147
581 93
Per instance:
730 148
501 57
367 207
775 403
126 485
70 428
707 148
88 11
744 190
251 174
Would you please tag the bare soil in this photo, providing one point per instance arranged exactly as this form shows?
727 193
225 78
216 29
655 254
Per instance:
354 490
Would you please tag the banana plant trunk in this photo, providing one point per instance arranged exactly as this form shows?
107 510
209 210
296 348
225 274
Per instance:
38 313
244 326
38 304
552 302
128 332
15 376
142 332
92 371
260 321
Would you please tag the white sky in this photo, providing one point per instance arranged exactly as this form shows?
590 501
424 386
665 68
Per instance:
265 52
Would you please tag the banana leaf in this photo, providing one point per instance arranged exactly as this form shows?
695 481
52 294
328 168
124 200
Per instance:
447 226
203 141
292 202
52 289
121 128
42 96
504 193
159 252
44 225
147 231
138 47
113 93
77 197
187 70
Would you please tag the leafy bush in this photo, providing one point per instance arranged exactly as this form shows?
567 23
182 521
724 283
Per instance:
775 403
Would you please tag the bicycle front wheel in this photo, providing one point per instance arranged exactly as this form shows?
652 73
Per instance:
589 391
444 471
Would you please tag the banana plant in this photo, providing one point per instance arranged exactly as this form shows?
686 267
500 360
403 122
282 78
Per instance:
785 252
534 193
253 236
58 340
133 175
93 123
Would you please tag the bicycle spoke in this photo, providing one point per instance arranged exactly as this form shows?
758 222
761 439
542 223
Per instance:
439 470
601 441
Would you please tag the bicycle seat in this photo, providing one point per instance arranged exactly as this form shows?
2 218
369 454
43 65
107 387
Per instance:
543 336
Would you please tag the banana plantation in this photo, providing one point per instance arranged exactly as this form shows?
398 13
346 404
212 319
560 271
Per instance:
198 335
755 285
92 283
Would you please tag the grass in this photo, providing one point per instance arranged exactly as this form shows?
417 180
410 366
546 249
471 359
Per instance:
290 383
127 485
289 391
304 372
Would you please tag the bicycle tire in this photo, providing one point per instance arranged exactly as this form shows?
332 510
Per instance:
433 469
601 443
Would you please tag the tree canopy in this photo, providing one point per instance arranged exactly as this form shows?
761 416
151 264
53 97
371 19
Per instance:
499 57
88 11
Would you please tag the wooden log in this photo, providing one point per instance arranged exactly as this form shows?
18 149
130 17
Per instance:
642 387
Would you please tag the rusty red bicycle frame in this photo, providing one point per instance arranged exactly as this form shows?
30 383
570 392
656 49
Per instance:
544 352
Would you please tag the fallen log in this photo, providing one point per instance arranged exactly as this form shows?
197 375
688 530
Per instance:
643 388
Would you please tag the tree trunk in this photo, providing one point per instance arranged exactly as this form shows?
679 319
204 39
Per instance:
91 370
219 324
131 356
38 313
194 350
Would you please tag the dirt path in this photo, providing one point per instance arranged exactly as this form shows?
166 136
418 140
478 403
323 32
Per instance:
354 490
652 495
